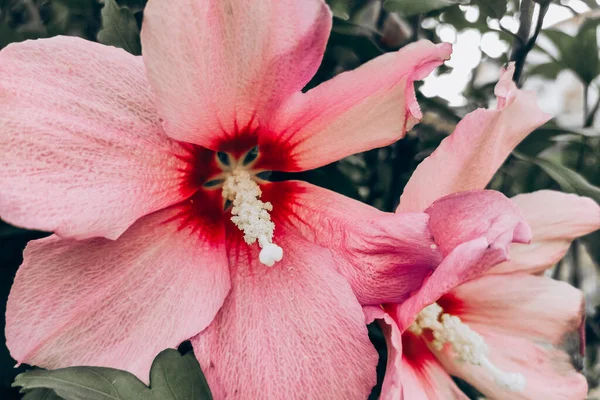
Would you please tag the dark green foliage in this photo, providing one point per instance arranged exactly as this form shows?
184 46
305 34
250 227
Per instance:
568 180
172 377
584 52
546 135
491 8
579 53
547 70
408 8
41 394
119 28
341 8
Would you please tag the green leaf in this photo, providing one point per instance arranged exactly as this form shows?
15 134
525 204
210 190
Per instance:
579 53
568 180
561 40
41 394
548 70
77 4
492 8
172 377
119 28
544 136
10 35
332 178
407 8
361 40
60 16
583 55
134 5
553 129
456 17
85 383
341 8
367 15
178 377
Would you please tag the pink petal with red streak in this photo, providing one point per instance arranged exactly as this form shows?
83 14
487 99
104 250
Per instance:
118 303
293 331
412 371
219 64
384 256
526 321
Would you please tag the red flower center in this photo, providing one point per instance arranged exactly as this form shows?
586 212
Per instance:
230 181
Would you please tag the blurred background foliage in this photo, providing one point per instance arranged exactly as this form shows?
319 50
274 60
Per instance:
555 47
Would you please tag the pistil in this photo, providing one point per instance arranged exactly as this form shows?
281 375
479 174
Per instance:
468 345
251 215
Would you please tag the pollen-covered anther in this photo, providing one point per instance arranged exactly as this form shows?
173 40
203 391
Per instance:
468 345
251 215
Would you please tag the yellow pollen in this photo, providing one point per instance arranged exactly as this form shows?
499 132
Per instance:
251 215
468 345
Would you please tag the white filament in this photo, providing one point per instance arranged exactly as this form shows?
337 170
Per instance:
468 345
251 215
512 381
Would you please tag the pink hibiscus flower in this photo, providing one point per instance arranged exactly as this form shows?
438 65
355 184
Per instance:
505 330
148 171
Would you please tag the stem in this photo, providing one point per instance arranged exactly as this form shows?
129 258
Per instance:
507 181
589 116
525 18
509 32
568 7
557 270
523 44
415 24
586 118
576 277
586 106
522 36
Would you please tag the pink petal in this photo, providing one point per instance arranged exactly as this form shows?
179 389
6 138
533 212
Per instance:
412 372
548 371
369 107
423 377
464 260
556 219
474 230
472 154
215 64
384 256
391 388
555 215
519 304
525 321
83 153
291 331
460 217
117 303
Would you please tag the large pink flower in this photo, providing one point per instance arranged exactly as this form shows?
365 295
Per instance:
133 163
504 329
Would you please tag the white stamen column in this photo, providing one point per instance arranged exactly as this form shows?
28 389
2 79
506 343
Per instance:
468 345
251 215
